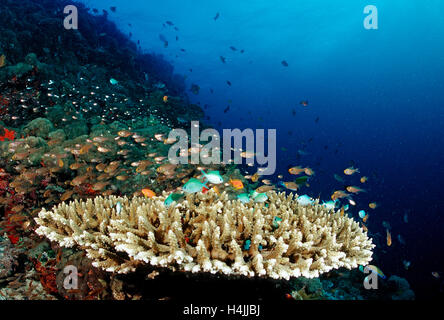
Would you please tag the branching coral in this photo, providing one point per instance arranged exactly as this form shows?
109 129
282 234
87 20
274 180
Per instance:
208 233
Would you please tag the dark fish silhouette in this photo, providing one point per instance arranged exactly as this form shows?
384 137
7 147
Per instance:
229 83
217 16
226 109
222 59
284 63
113 9
293 112
169 23
233 48
164 40
195 88
317 119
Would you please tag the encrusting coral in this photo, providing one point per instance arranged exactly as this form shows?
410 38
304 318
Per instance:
210 233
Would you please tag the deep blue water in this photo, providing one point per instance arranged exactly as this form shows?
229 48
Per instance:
378 95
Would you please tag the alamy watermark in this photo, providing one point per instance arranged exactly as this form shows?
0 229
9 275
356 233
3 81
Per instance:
71 21
71 280
370 281
214 153
371 20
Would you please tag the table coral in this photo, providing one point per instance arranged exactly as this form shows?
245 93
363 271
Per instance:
206 233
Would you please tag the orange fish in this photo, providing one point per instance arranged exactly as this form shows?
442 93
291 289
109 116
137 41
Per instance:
354 189
99 186
148 193
165 99
308 171
124 133
103 150
159 159
67 195
373 205
296 170
112 167
2 60
169 141
247 154
364 179
76 166
237 184
216 189
291 185
339 194
365 218
85 148
389 238
349 171
159 136
167 169
264 188
255 177
101 166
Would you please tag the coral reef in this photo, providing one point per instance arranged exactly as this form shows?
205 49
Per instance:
401 288
8 258
58 68
344 284
207 233
68 133
25 287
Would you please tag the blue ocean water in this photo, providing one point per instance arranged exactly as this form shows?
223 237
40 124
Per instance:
375 100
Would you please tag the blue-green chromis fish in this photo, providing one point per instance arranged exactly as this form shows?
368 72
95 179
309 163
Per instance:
193 185
213 177
243 197
174 197
260 197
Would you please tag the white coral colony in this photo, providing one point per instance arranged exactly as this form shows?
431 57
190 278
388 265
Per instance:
207 233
